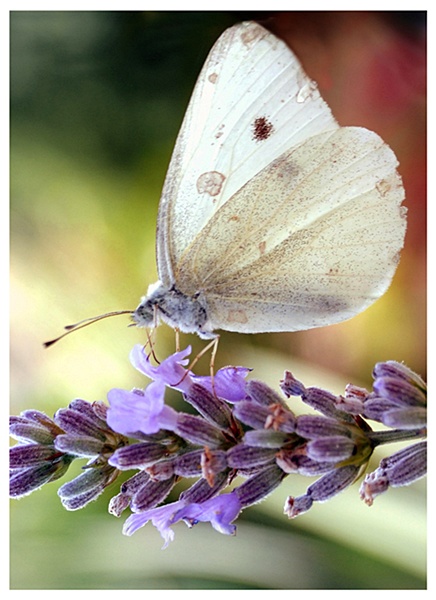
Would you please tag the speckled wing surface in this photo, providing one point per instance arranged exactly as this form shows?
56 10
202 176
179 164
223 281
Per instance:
281 219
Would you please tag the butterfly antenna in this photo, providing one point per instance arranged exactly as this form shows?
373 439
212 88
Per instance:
85 323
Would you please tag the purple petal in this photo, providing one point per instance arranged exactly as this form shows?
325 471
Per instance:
170 371
134 411
228 383
162 518
220 511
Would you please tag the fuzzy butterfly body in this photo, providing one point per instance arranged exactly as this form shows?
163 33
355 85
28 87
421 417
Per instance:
272 216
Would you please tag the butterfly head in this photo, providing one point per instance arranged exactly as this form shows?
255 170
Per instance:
183 312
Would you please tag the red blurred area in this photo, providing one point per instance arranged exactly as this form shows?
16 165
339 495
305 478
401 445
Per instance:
371 70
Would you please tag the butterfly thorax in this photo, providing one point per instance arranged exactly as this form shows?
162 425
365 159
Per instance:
186 313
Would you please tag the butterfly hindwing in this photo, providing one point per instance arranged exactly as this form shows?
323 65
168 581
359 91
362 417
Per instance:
311 240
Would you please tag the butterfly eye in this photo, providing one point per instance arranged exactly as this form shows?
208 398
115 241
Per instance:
144 314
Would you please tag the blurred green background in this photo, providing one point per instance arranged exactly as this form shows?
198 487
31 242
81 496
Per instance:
96 102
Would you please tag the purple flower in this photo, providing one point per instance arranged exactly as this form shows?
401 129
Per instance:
219 511
140 411
169 372
145 411
162 518
228 382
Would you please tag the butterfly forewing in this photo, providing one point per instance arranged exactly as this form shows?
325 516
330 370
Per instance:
251 103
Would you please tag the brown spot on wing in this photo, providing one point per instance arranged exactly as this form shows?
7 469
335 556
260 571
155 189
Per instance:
210 183
252 33
220 131
262 129
237 316
383 187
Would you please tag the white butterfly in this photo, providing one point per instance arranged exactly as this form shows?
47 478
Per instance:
272 216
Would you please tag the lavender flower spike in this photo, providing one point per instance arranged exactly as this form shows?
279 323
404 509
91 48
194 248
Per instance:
240 429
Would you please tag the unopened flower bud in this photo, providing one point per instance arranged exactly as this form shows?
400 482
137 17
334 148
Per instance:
88 480
202 491
325 403
291 386
215 410
242 456
405 418
79 445
399 391
259 485
30 455
78 423
265 438
251 413
151 494
262 394
87 409
391 368
297 461
198 431
24 430
314 426
137 456
333 482
375 407
331 449
188 464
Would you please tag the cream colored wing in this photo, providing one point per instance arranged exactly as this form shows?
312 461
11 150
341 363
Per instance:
311 240
251 103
